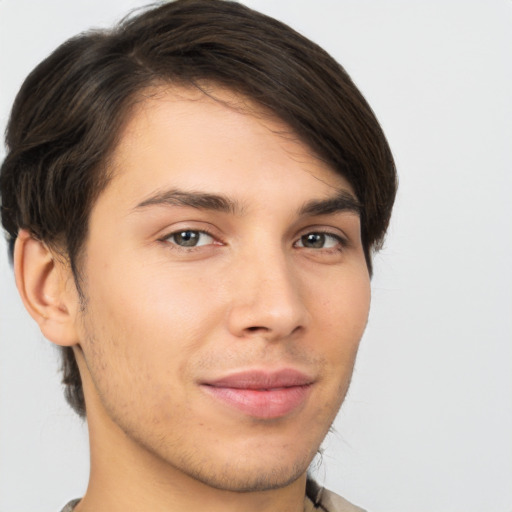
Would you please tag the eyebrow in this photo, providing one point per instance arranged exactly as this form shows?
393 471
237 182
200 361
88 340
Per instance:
342 202
199 200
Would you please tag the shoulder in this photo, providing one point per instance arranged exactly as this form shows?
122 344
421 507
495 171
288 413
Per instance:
328 501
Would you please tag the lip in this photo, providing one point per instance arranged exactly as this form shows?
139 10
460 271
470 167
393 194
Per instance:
262 394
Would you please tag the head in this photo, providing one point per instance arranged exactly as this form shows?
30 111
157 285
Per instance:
78 132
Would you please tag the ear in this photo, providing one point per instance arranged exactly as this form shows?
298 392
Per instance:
47 289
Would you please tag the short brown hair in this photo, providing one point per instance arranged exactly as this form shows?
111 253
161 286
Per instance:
70 109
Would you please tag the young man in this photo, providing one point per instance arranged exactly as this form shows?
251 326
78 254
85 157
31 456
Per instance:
191 202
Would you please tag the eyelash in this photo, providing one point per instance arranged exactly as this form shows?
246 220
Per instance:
342 242
175 246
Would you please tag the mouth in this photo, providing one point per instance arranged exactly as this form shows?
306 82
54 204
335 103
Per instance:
262 394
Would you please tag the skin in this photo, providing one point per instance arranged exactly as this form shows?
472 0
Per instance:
160 319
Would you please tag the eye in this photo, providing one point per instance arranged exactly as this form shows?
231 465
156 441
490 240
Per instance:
189 238
319 240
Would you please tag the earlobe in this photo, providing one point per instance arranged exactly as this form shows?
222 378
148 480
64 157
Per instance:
46 288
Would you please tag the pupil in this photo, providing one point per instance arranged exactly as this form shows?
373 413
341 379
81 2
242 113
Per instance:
315 240
187 238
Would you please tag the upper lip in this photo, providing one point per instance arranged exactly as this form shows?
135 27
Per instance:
262 379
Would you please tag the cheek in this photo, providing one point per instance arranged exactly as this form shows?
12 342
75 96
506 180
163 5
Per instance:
340 318
154 299
147 324
345 304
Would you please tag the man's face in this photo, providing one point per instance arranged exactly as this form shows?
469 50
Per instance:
226 294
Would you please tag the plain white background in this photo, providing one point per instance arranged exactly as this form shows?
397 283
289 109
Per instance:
427 425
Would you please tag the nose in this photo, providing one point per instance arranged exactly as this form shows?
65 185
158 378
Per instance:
267 298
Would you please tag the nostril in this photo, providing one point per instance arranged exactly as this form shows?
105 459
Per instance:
256 328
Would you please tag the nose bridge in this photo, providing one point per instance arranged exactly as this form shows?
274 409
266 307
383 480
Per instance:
267 298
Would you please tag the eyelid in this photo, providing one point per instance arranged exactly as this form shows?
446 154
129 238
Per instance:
332 232
329 231
169 234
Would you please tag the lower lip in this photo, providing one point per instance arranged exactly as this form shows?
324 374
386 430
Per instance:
265 404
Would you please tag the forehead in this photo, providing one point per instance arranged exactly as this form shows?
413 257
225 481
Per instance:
215 140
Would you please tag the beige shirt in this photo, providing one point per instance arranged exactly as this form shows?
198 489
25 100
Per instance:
320 499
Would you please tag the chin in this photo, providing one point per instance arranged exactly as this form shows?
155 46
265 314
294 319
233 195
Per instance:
249 467
244 480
